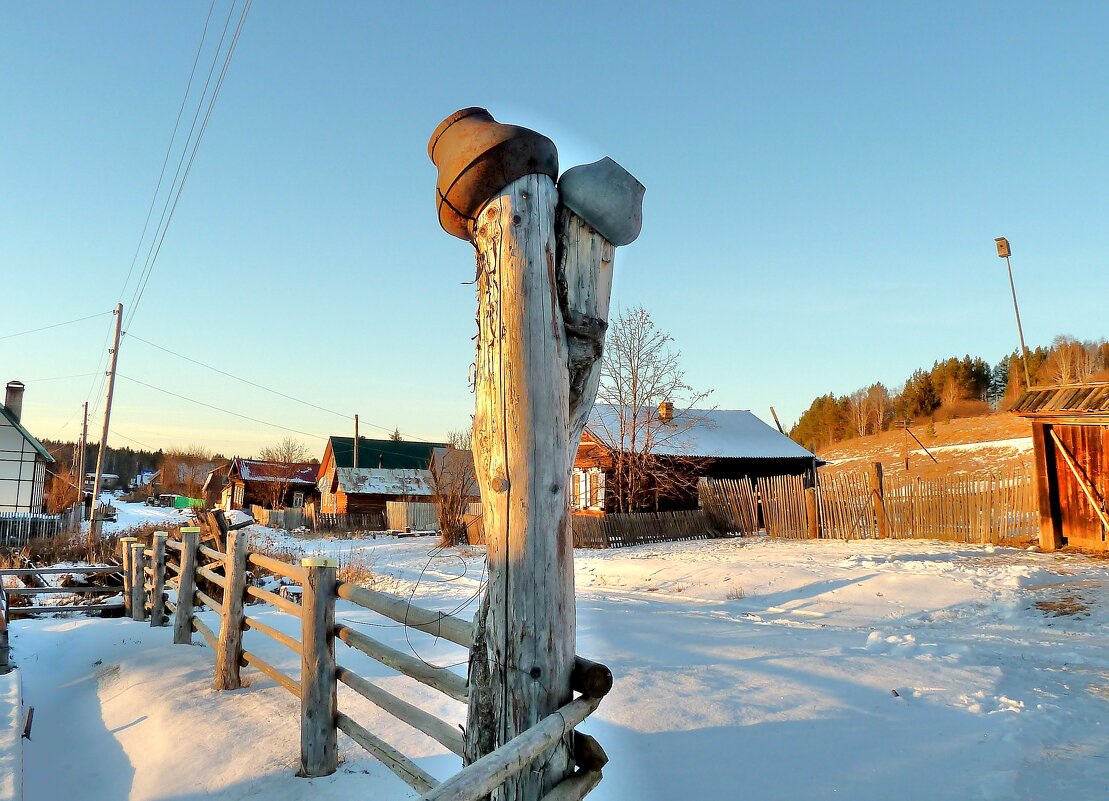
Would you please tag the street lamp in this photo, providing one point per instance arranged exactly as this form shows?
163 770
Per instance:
1003 252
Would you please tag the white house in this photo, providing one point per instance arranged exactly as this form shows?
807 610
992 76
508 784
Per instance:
23 460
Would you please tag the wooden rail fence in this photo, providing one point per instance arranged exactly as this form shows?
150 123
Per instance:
163 583
998 507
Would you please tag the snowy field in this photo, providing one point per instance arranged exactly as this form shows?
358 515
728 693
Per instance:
744 669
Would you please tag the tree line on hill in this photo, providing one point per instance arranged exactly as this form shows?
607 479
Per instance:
951 388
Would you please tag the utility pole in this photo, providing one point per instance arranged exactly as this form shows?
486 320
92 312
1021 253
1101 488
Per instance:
1003 251
81 456
95 524
355 442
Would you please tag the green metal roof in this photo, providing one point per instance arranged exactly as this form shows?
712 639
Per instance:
26 434
383 453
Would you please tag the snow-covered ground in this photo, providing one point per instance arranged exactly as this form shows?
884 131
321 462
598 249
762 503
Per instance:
1015 444
11 738
763 669
130 516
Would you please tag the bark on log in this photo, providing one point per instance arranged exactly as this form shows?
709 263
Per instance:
318 699
521 452
157 598
230 650
186 586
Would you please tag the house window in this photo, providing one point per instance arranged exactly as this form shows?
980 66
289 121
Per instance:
587 489
298 499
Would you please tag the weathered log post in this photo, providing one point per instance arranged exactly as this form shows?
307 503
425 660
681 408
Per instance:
186 586
318 686
125 544
229 650
157 598
138 581
878 491
496 189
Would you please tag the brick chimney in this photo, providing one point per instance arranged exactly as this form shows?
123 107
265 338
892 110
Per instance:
13 399
666 411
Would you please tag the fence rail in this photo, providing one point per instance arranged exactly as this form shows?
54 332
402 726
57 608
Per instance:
175 565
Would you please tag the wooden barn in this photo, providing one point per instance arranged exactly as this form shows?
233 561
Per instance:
386 470
1070 440
23 460
272 485
690 443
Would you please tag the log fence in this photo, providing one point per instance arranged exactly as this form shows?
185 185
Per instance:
183 568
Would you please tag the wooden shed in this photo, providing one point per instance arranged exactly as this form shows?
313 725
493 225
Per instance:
1070 440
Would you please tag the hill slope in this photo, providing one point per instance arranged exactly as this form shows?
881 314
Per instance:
967 445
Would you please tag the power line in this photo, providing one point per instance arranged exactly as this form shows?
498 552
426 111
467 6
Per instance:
155 250
169 149
264 388
58 378
221 409
55 325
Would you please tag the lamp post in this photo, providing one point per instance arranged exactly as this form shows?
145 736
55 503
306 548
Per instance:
1003 252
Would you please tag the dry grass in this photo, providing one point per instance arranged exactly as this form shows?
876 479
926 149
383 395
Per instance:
736 594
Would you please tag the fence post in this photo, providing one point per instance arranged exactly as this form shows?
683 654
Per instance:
877 490
229 649
812 513
125 546
318 702
157 598
138 581
186 586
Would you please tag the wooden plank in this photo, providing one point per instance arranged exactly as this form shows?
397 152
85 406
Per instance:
437 624
205 632
90 590
157 599
212 576
439 730
138 586
272 598
59 571
212 553
1096 503
265 667
277 567
1051 535
278 636
481 777
403 767
209 601
440 679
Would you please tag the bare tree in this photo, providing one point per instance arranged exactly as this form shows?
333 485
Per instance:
287 456
880 406
859 411
454 484
184 469
1071 361
639 372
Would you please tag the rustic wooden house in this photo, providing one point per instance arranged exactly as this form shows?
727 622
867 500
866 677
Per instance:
1070 442
272 485
717 443
23 459
387 470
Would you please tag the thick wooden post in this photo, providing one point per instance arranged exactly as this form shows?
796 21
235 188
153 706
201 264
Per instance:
318 686
138 581
157 596
521 453
812 513
1043 454
125 544
878 493
229 650
186 587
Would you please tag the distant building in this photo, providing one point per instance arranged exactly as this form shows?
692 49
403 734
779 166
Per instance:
388 470
23 460
245 482
717 443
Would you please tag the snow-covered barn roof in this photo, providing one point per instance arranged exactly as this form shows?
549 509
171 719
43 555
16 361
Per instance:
383 481
258 470
712 433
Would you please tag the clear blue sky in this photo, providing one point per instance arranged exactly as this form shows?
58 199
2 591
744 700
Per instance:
823 189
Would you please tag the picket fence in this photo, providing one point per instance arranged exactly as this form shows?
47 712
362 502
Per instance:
198 573
998 507
19 528
639 528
